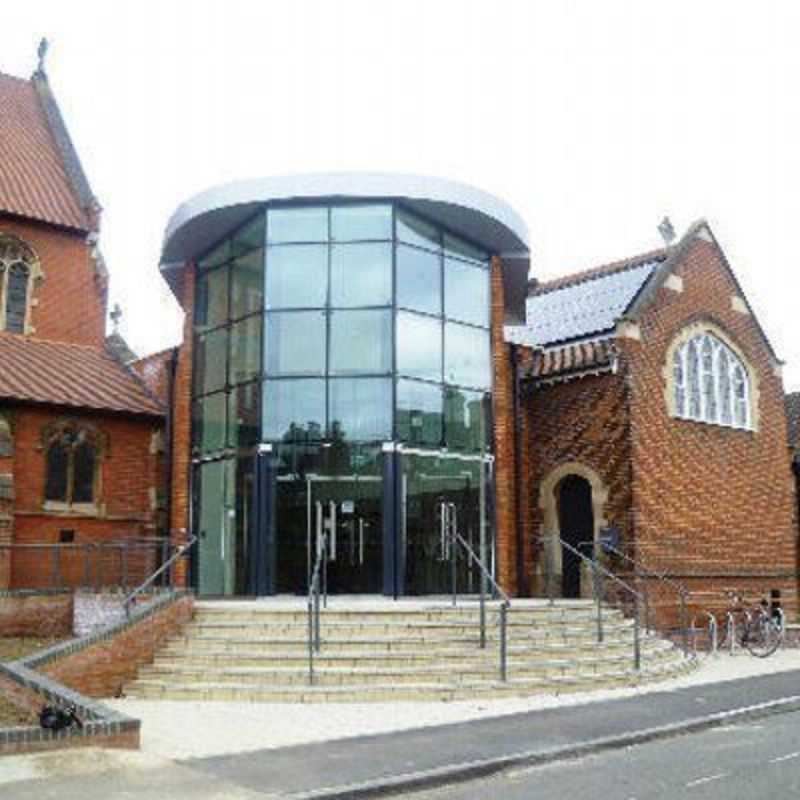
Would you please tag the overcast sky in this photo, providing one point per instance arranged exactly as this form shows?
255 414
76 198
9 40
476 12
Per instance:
593 119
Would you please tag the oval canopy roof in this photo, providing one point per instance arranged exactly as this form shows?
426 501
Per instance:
207 217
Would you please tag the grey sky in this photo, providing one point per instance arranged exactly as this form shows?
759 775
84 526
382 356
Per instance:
593 119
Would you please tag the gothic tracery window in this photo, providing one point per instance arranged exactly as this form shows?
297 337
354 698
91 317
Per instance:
18 269
71 464
710 383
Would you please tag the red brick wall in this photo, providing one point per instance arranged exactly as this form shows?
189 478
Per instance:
128 482
584 420
182 428
70 303
706 499
102 668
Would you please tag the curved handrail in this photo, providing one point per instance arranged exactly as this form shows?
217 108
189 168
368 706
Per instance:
184 548
594 564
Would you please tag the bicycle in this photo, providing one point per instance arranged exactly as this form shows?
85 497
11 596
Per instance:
753 628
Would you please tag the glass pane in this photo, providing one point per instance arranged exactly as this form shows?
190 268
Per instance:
211 307
219 255
247 284
361 408
244 415
361 342
419 412
466 416
724 386
245 349
298 224
358 223
210 361
83 473
297 276
209 423
56 484
294 409
466 292
295 343
693 375
413 230
250 237
419 280
453 246
361 275
467 358
419 346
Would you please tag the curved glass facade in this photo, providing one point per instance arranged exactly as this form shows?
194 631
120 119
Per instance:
343 373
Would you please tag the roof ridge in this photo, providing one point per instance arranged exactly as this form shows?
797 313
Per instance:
593 273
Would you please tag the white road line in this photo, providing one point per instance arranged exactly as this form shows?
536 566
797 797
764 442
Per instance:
784 758
707 779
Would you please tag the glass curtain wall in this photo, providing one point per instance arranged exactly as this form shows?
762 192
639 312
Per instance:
325 331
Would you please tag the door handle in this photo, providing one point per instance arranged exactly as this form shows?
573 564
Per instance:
361 540
332 523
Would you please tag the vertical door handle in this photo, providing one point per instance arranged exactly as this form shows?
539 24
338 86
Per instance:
320 533
332 518
361 540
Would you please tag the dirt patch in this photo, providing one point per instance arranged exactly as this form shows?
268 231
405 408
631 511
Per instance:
10 650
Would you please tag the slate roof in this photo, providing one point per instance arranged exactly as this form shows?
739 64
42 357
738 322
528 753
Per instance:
40 174
583 305
71 375
793 418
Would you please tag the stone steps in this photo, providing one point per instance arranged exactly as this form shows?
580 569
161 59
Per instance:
252 652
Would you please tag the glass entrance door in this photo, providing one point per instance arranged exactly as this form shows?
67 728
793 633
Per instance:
440 494
216 528
346 511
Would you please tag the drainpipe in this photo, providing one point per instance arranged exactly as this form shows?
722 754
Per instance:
169 435
522 587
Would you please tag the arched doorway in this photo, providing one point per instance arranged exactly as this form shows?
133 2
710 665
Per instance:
576 522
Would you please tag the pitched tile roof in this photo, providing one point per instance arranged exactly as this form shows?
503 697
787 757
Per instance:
40 175
585 304
78 376
572 359
793 418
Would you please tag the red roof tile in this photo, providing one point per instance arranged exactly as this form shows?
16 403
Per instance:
79 376
34 182
572 359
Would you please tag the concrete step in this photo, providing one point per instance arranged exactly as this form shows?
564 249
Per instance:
394 692
365 676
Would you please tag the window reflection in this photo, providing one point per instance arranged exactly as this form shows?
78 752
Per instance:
297 276
419 346
466 416
245 350
211 305
209 423
361 342
419 412
294 343
211 361
247 281
243 415
419 280
361 275
466 292
467 356
294 409
413 230
305 224
361 223
361 408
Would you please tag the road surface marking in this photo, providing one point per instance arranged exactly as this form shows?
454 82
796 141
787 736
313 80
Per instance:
784 758
707 779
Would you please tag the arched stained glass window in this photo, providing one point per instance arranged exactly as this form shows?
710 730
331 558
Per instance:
710 383
19 271
71 464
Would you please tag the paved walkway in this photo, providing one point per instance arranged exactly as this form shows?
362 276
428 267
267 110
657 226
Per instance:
334 769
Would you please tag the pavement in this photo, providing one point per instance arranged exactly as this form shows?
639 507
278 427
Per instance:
418 758
759 759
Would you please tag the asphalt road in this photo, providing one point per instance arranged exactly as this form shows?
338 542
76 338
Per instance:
752 761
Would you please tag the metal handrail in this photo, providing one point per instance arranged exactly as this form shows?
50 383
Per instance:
184 548
641 570
314 634
505 601
598 573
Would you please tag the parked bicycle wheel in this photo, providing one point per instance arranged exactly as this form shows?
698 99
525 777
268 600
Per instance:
762 635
